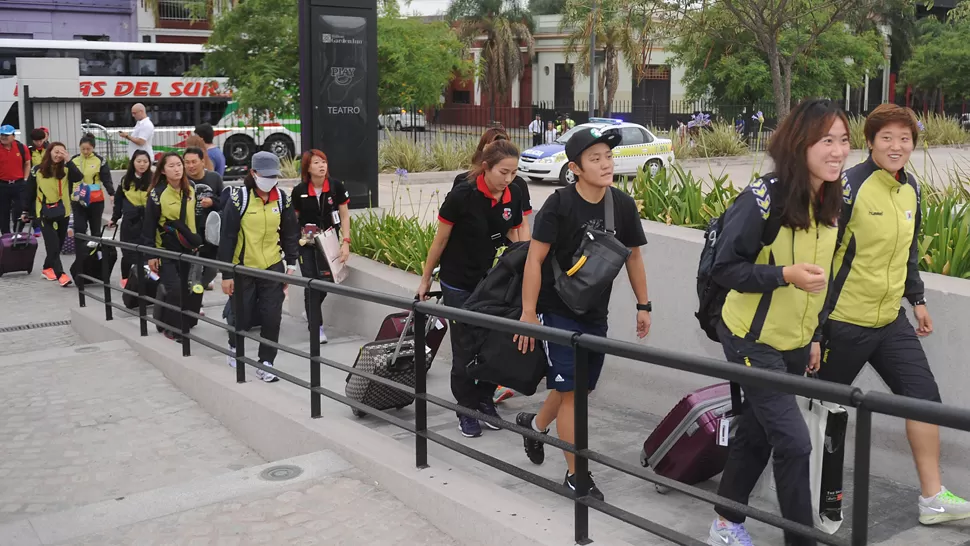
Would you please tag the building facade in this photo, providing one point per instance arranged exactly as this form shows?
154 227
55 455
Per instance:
170 21
108 20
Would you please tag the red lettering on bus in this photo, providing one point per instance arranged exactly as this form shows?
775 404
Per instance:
155 92
141 89
192 89
176 89
123 89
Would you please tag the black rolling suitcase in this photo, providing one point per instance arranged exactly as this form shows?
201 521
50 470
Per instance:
151 287
391 359
194 304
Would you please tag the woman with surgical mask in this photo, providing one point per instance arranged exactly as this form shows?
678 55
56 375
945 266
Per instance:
259 226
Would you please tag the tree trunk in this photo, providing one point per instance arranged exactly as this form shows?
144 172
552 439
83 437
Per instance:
782 101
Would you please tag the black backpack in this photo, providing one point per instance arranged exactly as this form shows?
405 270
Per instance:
711 295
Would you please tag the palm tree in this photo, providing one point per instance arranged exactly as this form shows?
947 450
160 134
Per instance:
500 28
623 28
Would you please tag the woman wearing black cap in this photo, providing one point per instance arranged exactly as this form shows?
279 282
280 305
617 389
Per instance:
259 226
560 227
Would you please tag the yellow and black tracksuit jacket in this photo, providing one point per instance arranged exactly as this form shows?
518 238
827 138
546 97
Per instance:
129 204
257 233
760 306
877 261
165 204
37 154
46 190
97 175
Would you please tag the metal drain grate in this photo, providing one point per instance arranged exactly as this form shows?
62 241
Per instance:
281 473
34 326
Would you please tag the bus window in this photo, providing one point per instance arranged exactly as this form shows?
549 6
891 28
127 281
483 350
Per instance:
100 63
213 111
157 64
8 59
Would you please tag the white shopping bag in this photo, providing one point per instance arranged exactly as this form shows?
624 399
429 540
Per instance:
826 428
328 244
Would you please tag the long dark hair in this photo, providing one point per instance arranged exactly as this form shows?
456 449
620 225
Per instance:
807 124
492 155
142 182
160 177
50 169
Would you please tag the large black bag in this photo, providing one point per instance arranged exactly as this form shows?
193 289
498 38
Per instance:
151 287
497 358
595 265
710 295
194 304
93 261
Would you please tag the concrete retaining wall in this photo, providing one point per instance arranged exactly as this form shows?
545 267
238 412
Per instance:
671 261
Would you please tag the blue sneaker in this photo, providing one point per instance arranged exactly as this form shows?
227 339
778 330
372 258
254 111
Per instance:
728 534
469 427
488 408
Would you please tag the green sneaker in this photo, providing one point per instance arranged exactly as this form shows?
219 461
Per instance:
944 507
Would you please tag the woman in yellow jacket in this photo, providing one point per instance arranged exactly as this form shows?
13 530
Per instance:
88 197
170 225
47 200
129 206
774 253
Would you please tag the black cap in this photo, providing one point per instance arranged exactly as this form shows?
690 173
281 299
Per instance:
584 138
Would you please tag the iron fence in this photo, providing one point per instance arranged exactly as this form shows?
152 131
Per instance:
866 403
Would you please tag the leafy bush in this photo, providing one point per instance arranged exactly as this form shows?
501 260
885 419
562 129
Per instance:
944 243
857 135
290 167
118 163
451 154
941 130
721 141
673 196
398 152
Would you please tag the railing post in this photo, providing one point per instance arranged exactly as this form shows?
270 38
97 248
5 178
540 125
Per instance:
105 280
81 301
312 313
420 389
237 305
581 439
860 482
142 304
183 272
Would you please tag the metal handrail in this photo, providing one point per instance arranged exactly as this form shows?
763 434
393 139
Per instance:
866 403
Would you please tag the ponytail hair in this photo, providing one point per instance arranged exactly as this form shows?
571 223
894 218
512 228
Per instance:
491 156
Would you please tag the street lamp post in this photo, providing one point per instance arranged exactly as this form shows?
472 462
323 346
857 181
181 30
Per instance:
592 59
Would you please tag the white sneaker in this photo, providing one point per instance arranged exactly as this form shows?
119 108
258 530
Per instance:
945 506
231 360
323 336
266 376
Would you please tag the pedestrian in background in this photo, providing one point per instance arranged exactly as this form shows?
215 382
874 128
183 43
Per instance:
14 170
129 207
39 145
320 203
47 201
536 129
209 191
218 159
141 137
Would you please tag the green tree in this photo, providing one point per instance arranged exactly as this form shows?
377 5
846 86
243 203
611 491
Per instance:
417 60
938 65
727 65
546 7
623 30
785 33
500 28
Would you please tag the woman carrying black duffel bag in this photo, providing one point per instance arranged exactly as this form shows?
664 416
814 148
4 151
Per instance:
129 208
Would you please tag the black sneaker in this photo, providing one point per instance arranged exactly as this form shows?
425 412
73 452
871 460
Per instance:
594 491
488 408
534 449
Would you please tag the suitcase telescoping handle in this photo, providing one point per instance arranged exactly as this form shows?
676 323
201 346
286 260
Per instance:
407 327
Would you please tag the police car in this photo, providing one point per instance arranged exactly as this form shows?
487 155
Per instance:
638 148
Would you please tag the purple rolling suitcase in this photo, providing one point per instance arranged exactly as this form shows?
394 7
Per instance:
17 250
684 446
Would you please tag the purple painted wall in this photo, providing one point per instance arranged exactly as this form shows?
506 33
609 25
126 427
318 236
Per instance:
65 19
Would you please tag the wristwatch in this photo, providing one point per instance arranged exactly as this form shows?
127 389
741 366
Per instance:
921 301
648 307
290 268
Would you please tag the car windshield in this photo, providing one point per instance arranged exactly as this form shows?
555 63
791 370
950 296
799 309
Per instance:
569 134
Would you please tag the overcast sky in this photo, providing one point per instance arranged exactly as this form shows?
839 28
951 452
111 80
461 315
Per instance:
426 7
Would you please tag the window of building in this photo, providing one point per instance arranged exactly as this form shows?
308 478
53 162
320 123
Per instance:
461 97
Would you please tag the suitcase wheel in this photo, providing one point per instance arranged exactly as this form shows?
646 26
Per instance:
662 489
357 412
31 270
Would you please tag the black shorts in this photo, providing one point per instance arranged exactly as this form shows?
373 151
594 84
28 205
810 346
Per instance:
894 351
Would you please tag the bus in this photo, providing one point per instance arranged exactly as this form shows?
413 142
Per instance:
115 75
